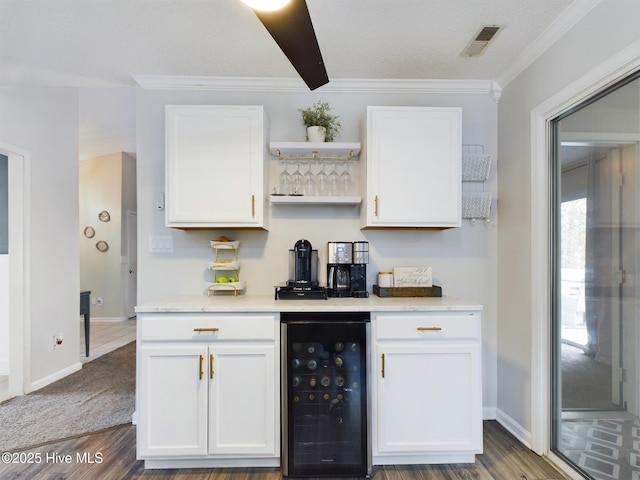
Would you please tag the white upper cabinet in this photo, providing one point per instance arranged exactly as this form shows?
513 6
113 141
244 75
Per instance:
214 170
413 160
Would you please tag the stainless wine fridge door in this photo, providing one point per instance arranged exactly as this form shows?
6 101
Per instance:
325 394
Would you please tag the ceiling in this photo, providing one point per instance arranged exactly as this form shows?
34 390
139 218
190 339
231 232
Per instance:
107 42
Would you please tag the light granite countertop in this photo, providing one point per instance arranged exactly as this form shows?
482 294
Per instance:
267 303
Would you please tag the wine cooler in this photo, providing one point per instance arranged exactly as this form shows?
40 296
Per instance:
325 394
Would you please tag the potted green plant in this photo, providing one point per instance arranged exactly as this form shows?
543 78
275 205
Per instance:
319 116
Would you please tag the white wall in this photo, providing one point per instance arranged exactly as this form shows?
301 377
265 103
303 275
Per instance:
598 37
463 259
4 314
4 267
44 122
107 121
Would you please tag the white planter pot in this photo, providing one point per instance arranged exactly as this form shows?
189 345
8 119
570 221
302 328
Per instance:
316 134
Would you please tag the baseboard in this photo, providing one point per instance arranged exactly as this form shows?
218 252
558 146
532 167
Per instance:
489 413
4 367
106 319
517 430
43 382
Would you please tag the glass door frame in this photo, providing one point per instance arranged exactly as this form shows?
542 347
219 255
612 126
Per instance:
621 65
545 214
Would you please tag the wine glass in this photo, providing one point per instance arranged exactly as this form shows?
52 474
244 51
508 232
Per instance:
322 182
334 181
285 181
309 183
346 181
296 181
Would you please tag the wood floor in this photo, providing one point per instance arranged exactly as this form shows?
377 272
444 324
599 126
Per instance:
114 455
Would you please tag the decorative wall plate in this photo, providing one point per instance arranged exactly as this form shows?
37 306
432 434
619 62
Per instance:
104 216
89 231
102 246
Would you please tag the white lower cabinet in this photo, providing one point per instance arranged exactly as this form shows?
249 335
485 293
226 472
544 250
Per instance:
242 401
211 399
427 405
208 388
172 402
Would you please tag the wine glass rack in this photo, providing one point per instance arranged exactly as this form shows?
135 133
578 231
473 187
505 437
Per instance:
315 153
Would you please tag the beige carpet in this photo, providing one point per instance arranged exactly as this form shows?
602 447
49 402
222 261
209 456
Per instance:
586 383
100 396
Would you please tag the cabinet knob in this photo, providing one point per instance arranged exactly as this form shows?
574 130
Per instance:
375 206
213 329
201 361
210 365
382 371
429 329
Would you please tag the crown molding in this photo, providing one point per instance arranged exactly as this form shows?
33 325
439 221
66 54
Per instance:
563 23
274 84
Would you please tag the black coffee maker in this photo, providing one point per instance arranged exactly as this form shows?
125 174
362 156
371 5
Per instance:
303 274
303 265
359 269
347 269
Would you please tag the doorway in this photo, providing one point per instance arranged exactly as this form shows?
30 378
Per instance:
595 293
15 292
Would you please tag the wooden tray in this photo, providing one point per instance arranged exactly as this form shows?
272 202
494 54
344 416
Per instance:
434 291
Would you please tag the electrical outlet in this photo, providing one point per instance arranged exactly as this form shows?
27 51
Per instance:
57 340
100 301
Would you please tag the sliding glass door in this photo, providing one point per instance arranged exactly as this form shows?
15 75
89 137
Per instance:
596 284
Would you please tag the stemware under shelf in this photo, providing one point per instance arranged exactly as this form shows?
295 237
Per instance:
347 186
296 182
285 182
334 181
322 183
309 183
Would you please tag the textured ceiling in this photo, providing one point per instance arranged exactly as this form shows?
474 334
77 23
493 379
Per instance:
106 42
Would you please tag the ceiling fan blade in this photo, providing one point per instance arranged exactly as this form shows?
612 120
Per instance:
293 31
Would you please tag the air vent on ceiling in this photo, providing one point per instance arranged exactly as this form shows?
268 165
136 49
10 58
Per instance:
480 42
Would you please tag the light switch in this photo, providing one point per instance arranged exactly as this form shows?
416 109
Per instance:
160 244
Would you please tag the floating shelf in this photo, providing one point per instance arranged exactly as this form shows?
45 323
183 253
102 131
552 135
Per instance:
313 151
313 200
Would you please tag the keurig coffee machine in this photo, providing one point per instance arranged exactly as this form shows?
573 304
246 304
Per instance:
303 274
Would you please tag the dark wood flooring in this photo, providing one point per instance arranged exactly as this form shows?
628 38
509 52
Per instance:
113 454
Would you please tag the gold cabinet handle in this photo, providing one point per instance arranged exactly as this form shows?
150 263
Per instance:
253 205
214 329
375 206
210 365
201 361
382 356
429 329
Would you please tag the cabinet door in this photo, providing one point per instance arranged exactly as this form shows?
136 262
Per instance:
243 412
428 398
173 401
214 166
414 157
